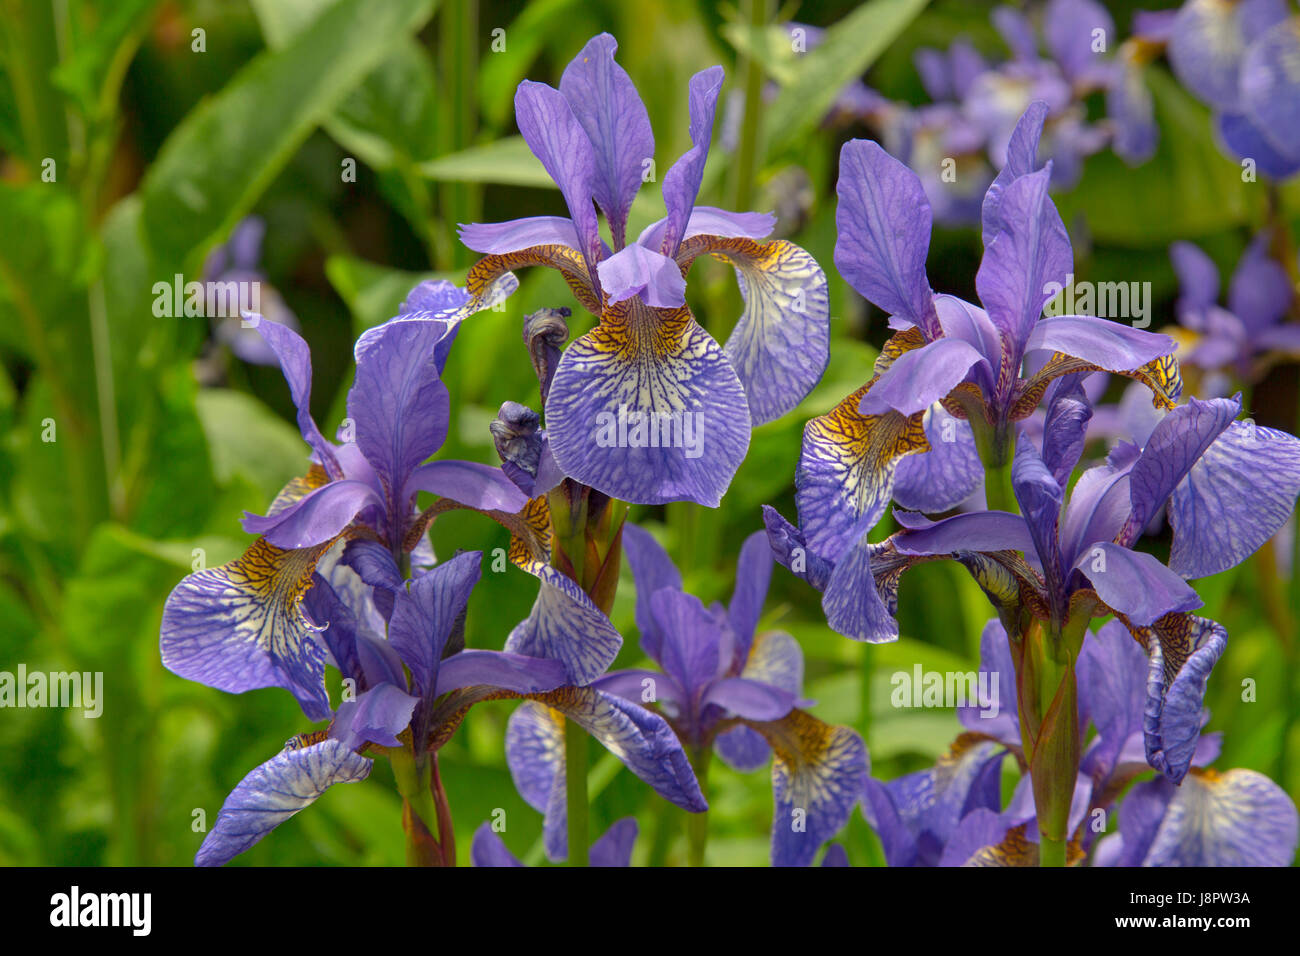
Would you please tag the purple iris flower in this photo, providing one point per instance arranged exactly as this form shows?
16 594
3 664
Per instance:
949 359
1243 59
384 704
240 626
957 142
952 814
1228 487
239 261
1243 340
722 686
647 407
725 686
614 849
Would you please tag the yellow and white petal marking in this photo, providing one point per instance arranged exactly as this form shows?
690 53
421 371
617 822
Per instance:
1161 376
781 344
1236 818
568 262
647 408
240 626
817 778
846 470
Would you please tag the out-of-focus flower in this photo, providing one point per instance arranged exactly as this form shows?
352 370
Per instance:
1243 59
1240 343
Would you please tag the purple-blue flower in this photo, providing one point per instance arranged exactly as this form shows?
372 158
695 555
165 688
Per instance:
949 356
1240 342
613 849
1243 59
240 626
647 407
725 687
952 814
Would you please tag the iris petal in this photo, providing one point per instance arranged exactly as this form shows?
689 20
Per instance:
647 408
781 344
817 779
274 792
240 626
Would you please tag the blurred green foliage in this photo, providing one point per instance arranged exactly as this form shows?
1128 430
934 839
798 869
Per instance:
168 122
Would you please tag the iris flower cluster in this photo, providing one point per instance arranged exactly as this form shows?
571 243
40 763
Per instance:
341 578
958 141
1050 552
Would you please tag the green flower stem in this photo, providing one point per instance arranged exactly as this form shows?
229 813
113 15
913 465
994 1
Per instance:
747 154
419 815
1049 725
458 53
575 790
1051 852
697 824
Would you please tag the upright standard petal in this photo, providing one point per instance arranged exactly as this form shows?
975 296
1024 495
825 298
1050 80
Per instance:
295 362
423 616
1022 159
274 792
555 136
399 404
605 102
646 408
682 181
1030 255
240 626
883 226
753 575
652 570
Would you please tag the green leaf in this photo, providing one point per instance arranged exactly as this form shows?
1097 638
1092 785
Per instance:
105 39
373 292
848 49
507 161
213 168
392 115
245 438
